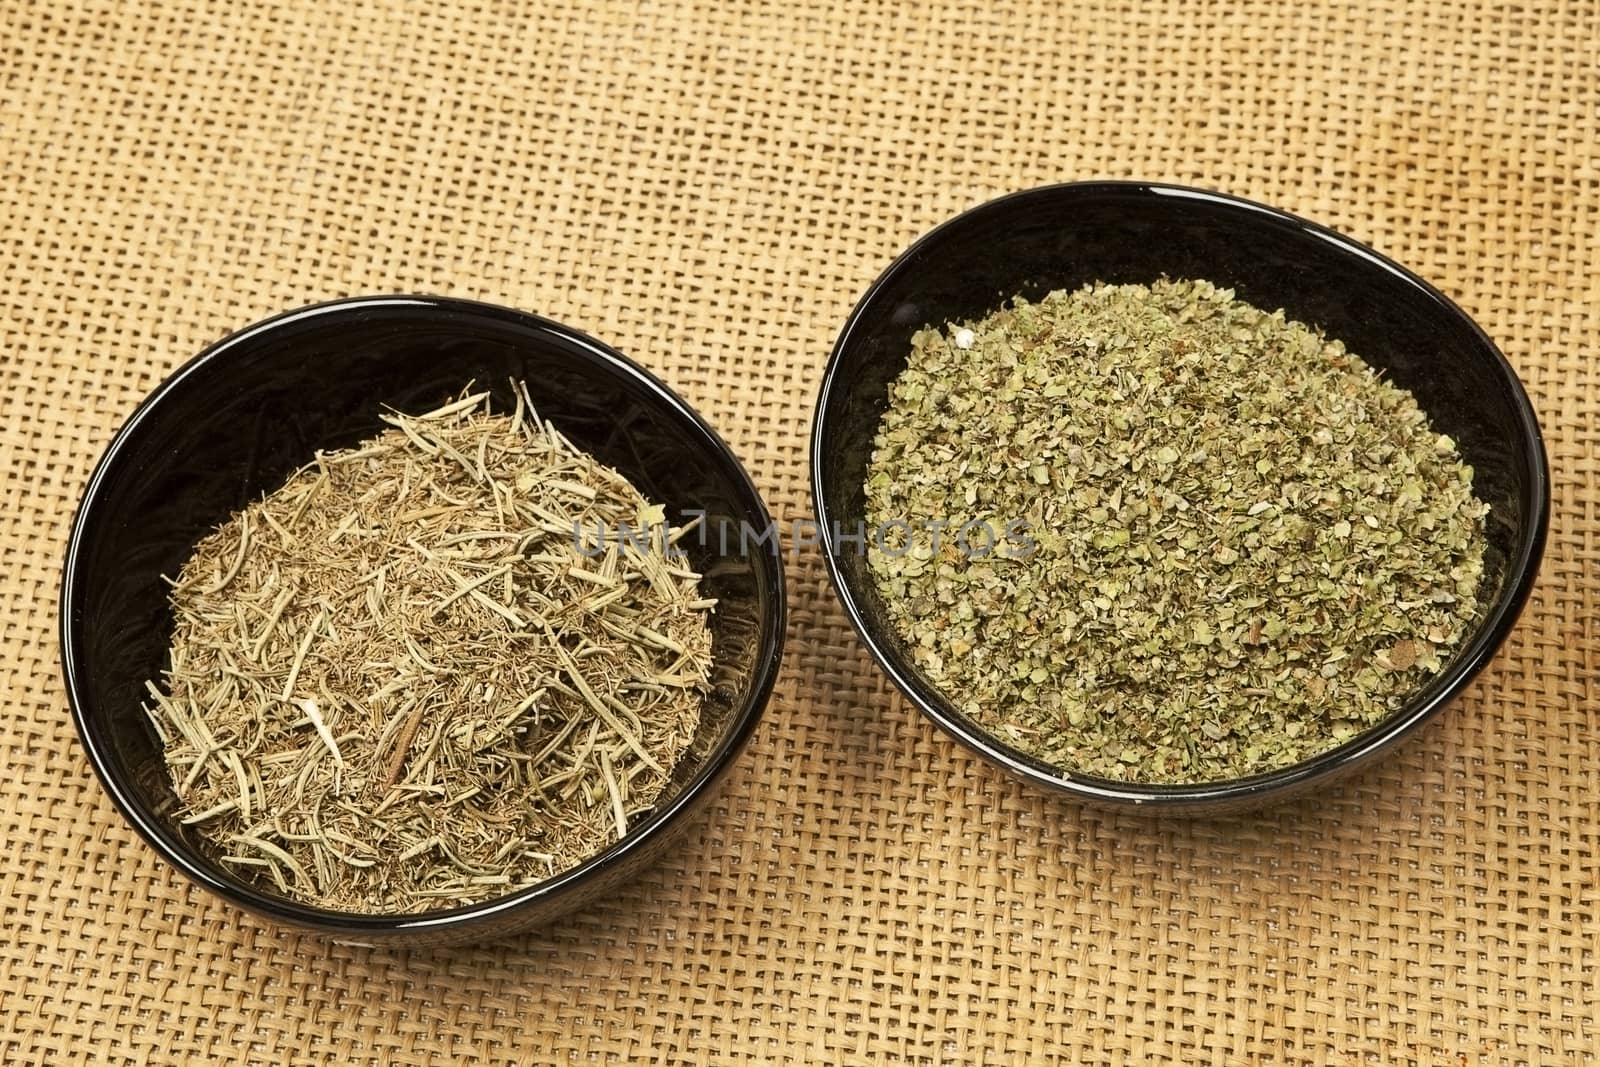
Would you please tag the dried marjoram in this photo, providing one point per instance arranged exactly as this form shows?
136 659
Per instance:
397 684
1248 546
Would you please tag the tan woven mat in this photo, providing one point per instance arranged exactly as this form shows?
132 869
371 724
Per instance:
710 186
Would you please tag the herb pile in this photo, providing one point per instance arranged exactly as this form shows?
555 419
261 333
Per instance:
398 685
1248 546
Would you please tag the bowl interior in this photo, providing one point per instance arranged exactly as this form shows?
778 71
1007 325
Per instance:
1068 236
240 418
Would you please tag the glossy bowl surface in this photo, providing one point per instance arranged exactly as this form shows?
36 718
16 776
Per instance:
1066 236
240 417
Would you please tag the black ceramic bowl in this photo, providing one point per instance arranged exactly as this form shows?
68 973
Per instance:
1066 236
235 421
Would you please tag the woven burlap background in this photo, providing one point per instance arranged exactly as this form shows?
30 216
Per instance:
710 185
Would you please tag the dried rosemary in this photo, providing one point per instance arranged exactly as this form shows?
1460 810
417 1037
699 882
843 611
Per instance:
398 685
1248 546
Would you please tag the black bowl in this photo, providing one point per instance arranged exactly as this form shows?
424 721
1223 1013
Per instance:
235 421
1066 236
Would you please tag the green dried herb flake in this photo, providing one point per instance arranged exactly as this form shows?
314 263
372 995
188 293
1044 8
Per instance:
1249 546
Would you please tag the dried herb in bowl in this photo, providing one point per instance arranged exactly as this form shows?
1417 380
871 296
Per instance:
398 683
1246 546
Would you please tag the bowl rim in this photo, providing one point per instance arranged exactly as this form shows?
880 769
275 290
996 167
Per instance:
1521 567
484 915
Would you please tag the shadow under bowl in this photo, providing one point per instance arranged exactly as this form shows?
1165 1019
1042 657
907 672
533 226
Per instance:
1067 236
238 419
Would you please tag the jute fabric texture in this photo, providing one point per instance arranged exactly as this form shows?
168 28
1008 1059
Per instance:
709 186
